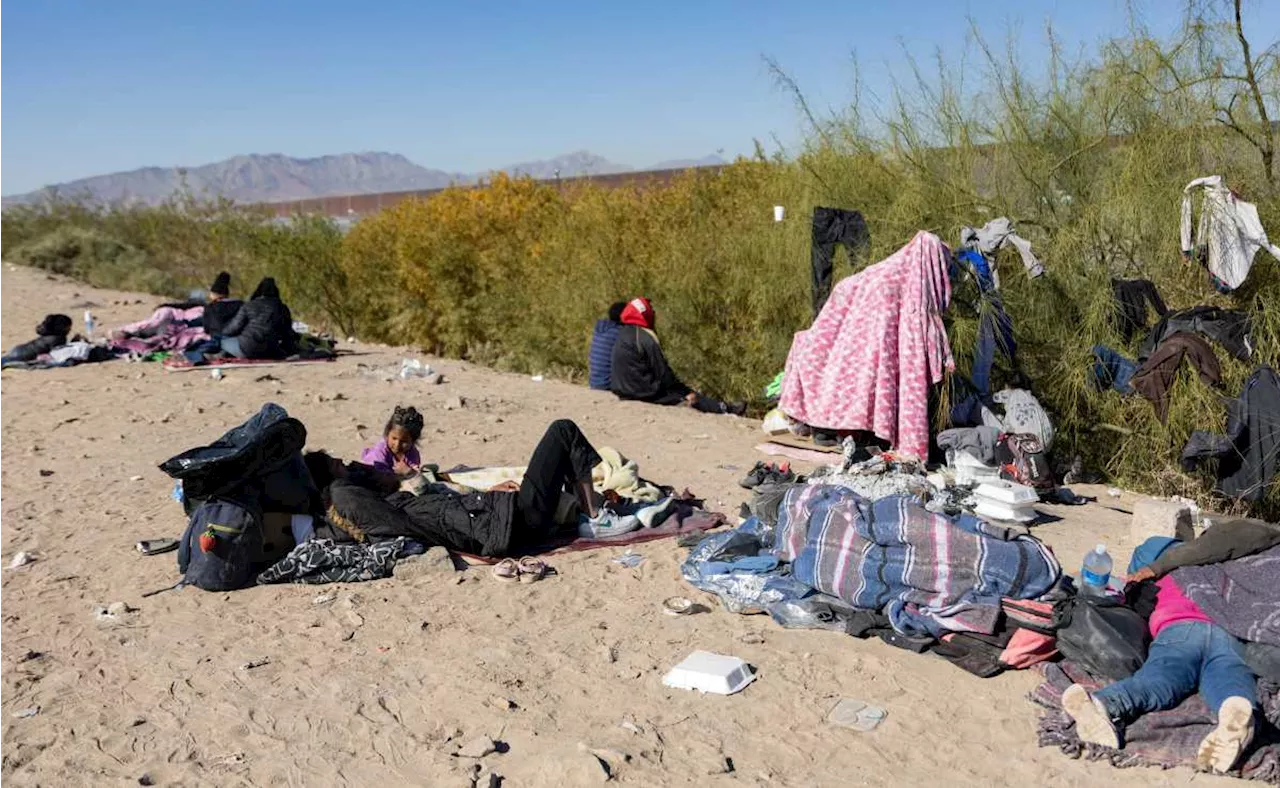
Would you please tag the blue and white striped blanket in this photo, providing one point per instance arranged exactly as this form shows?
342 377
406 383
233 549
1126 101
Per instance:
928 573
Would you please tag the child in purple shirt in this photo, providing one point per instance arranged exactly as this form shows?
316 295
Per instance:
397 452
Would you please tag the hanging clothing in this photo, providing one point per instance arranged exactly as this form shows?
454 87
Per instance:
997 234
1230 328
867 361
1132 297
1156 375
995 334
1249 454
1228 235
833 227
1112 370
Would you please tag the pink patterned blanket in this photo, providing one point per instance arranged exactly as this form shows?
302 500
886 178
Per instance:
867 361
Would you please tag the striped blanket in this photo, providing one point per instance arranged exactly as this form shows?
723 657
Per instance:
928 573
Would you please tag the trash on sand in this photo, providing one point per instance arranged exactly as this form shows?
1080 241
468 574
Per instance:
413 368
537 378
677 606
629 559
21 559
856 715
256 663
707 672
28 712
216 374
1114 492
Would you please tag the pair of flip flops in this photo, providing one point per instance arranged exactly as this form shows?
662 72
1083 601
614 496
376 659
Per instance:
524 570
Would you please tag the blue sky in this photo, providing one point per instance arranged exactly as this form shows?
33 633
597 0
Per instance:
93 87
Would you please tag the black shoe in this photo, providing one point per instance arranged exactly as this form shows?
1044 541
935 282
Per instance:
736 408
825 438
755 477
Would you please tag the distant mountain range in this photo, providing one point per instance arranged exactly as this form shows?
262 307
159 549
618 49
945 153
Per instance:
276 177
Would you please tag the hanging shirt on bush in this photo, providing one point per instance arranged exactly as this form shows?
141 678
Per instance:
1229 232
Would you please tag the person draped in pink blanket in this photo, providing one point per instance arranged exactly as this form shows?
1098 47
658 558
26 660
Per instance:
869 358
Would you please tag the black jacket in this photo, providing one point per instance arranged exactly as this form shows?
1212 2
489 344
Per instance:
1249 454
1228 327
640 370
265 328
219 314
476 523
28 351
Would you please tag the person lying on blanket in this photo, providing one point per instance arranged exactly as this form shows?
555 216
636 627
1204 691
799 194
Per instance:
363 502
639 369
1189 652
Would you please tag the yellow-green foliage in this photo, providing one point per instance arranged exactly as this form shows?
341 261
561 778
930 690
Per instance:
1089 161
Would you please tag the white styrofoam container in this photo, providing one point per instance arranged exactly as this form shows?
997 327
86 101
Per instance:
995 510
1005 491
707 672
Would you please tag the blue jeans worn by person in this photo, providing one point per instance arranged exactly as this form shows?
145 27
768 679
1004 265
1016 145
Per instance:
1185 657
231 346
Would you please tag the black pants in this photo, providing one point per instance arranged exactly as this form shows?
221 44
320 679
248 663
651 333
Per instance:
701 402
562 459
1132 297
832 226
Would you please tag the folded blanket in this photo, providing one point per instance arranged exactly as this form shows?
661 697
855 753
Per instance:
1242 595
928 573
622 476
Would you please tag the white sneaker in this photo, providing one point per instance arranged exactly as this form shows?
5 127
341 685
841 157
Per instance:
1093 724
607 524
1223 746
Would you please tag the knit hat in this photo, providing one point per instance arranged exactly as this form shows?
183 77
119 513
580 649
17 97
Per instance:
639 312
221 284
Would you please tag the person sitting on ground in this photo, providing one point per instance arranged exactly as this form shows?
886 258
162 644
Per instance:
221 309
263 326
50 333
640 370
363 502
1189 652
397 452
600 359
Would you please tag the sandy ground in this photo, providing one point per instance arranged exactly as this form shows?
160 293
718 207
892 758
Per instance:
382 684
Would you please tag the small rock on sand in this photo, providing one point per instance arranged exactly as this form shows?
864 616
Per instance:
478 747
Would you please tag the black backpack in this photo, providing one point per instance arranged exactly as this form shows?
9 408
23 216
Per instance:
222 542
1022 459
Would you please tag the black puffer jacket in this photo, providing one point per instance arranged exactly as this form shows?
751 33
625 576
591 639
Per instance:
640 369
220 314
264 326
476 523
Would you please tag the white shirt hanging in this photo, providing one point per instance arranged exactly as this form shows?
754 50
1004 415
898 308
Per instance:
1229 229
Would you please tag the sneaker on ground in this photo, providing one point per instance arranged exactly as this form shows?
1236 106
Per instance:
1093 724
608 524
1221 749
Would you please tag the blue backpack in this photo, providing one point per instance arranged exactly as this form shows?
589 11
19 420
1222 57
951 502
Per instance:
222 543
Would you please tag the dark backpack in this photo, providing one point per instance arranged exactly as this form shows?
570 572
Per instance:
222 542
1022 459
1103 634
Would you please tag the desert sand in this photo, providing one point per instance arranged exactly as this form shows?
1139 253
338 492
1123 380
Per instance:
381 683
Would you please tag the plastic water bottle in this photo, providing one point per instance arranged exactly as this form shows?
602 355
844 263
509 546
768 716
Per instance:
88 323
1096 571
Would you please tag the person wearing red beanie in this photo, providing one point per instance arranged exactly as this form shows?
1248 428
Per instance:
640 370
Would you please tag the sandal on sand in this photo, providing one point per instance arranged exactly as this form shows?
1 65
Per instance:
531 569
506 571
